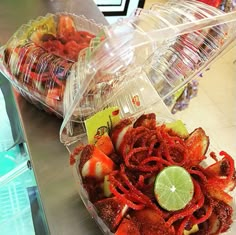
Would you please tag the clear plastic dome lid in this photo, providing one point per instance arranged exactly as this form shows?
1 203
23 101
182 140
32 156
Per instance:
157 50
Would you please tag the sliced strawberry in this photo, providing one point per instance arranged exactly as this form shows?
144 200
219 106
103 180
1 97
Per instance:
220 219
53 46
72 49
219 168
127 227
222 172
83 37
111 211
55 93
197 144
94 163
150 222
146 120
215 190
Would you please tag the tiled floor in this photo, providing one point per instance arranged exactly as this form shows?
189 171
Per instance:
215 106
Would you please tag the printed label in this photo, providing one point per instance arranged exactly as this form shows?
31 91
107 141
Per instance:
101 123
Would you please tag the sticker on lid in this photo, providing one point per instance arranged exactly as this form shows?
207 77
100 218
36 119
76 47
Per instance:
101 123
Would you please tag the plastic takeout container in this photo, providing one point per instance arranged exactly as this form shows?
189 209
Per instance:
148 56
39 57
94 211
164 48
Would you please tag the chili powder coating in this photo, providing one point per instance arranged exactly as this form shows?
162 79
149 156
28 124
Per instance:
142 149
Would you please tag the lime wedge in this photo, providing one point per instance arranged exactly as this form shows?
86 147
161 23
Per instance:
179 128
173 188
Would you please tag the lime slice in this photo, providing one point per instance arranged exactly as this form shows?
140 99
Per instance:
173 188
179 128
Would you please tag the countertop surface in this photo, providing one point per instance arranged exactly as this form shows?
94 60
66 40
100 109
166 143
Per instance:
63 207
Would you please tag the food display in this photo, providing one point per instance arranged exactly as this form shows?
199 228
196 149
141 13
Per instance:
149 176
40 55
171 44
141 175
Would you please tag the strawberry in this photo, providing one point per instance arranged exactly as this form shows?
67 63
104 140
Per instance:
111 211
214 3
53 97
149 222
217 191
127 227
146 120
197 144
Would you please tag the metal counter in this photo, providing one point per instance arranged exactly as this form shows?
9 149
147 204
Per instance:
65 212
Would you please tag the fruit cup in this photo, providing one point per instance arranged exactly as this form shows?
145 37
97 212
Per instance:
39 57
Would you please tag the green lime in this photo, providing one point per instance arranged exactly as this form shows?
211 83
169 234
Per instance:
173 188
179 128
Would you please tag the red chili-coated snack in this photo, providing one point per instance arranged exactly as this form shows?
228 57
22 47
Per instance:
141 151
42 64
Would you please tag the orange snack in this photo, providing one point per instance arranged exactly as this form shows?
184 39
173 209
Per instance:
104 143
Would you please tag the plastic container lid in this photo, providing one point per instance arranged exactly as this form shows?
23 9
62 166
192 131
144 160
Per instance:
165 46
154 52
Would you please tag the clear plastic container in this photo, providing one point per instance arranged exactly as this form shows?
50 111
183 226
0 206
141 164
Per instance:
39 57
166 47
169 44
93 211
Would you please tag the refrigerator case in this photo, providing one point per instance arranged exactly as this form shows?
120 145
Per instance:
21 207
20 204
